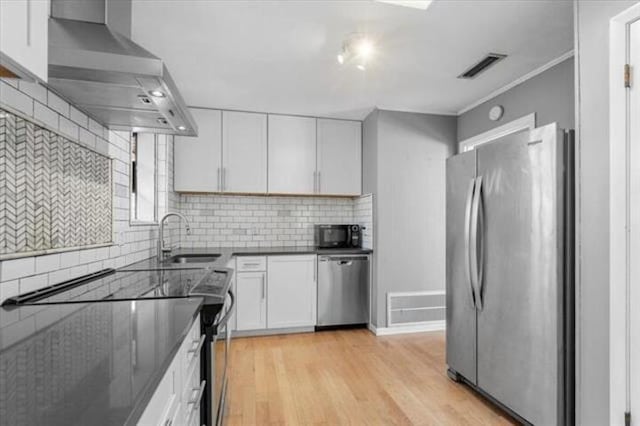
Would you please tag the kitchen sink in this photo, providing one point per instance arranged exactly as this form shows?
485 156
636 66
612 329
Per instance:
192 258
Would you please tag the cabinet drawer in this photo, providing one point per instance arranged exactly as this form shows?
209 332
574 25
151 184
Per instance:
251 263
162 405
191 347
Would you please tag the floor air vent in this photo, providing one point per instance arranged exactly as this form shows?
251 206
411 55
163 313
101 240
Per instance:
415 308
484 64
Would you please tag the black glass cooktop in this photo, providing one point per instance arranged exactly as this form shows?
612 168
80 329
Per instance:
110 285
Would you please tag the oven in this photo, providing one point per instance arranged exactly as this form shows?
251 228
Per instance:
220 360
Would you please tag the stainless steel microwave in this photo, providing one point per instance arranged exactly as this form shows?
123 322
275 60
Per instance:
338 236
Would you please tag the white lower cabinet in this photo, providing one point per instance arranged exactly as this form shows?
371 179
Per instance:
291 300
275 292
176 399
251 313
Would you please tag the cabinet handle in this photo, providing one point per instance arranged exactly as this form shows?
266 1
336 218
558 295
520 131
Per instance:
198 345
224 178
195 401
264 291
315 182
319 182
219 179
28 22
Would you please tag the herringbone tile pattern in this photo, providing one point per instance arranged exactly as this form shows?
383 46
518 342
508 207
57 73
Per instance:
54 193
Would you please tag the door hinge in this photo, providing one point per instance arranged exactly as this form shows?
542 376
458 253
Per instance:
627 76
627 418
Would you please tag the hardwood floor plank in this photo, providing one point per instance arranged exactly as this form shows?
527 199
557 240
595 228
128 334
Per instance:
350 377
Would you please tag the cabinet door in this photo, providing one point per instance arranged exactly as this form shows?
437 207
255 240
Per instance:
24 30
198 161
291 300
244 152
339 157
252 293
292 154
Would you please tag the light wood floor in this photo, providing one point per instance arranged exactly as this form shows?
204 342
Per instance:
349 377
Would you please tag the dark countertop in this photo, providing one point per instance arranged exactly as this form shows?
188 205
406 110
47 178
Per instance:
226 253
87 363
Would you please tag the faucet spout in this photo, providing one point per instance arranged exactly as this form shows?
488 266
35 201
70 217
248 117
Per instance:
162 248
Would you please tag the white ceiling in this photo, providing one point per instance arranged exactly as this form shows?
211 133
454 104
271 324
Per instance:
280 56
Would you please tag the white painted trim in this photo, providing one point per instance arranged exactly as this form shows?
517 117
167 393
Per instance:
624 166
419 111
528 122
518 81
372 328
405 329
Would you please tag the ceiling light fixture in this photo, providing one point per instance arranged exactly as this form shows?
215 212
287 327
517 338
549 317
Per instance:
182 128
157 94
357 49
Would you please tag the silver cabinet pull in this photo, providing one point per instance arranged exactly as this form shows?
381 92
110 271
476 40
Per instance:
224 178
219 179
315 182
319 182
264 291
198 345
467 236
195 401
475 268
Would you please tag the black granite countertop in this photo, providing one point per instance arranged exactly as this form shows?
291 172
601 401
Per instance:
87 363
226 253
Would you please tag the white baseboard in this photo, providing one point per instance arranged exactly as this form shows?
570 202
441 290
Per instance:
404 329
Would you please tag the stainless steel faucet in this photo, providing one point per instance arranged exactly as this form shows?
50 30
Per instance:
162 249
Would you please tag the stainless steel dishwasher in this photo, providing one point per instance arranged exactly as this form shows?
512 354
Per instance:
343 290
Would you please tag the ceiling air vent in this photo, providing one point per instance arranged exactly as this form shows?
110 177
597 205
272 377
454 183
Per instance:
483 65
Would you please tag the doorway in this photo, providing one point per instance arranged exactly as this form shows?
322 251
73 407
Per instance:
625 218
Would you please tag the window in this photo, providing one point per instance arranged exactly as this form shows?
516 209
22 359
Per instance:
144 191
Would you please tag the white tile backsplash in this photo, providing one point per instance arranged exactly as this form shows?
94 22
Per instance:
262 221
30 273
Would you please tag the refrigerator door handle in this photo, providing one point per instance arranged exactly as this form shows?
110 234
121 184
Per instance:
467 236
476 265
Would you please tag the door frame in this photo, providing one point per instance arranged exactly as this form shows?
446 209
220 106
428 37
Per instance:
622 166
527 122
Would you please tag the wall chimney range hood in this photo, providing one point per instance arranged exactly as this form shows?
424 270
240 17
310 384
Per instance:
94 64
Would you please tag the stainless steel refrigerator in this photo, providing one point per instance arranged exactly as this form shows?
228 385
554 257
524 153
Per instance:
510 273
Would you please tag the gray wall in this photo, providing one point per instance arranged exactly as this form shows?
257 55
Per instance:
404 167
592 47
550 95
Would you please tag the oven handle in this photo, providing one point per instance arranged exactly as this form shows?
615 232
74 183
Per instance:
226 316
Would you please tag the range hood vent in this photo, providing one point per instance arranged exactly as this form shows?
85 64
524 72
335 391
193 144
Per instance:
483 65
107 75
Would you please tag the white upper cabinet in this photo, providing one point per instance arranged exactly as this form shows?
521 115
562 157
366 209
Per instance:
24 29
292 154
339 157
244 152
291 300
198 161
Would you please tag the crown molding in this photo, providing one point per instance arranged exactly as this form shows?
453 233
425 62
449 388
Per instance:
518 81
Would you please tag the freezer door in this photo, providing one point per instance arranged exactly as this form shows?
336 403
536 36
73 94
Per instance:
520 323
461 313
